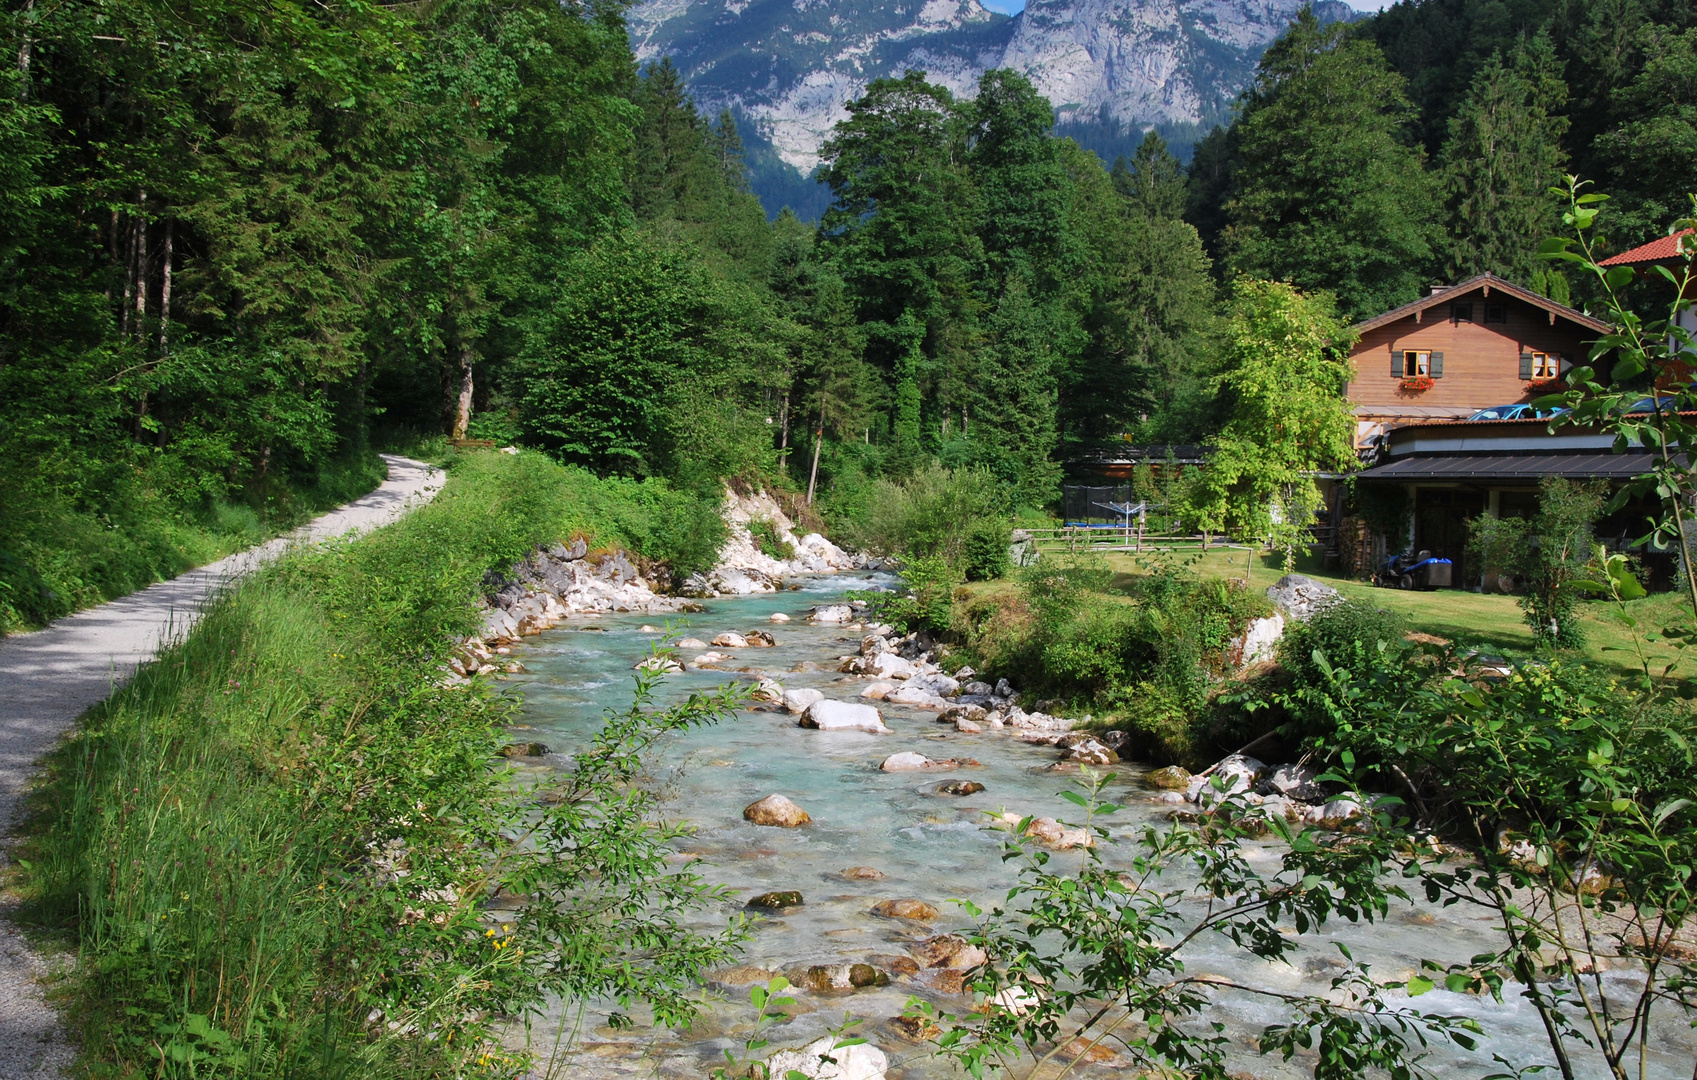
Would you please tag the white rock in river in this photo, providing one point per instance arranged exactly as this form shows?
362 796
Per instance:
730 640
917 696
769 690
830 715
777 616
658 663
1294 782
878 691
691 643
860 1062
887 665
797 700
833 613
906 761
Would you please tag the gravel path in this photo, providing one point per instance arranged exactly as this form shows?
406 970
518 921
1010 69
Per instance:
51 677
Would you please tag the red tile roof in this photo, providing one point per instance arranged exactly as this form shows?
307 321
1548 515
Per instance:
1664 247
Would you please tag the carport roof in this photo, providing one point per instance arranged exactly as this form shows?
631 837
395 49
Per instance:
1522 467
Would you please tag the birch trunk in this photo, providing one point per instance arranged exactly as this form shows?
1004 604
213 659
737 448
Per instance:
818 440
165 289
141 267
462 410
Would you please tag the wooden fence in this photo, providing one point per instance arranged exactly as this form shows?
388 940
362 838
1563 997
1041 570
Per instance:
1084 539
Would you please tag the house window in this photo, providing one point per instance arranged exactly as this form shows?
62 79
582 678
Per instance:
1461 312
1545 365
1496 313
1416 363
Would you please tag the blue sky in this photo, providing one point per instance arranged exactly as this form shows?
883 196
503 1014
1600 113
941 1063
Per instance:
1011 7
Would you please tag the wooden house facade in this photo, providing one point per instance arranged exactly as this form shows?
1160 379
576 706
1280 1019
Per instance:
1481 343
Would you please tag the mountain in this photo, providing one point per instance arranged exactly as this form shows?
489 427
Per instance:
1112 67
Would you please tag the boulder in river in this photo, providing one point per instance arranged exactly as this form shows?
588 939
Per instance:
776 810
778 617
798 700
769 690
759 639
828 715
691 643
949 951
863 873
1293 782
776 901
959 787
658 663
907 761
740 976
524 749
824 1060
907 908
968 727
878 691
1171 778
833 613
730 641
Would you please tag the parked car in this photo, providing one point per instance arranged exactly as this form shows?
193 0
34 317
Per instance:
1517 412
1669 403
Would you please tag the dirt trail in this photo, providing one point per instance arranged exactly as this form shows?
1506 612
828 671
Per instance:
51 677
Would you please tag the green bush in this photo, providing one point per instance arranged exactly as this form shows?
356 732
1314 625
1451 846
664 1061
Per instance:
765 536
984 552
1352 634
925 598
952 514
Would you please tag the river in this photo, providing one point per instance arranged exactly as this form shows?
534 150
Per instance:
929 846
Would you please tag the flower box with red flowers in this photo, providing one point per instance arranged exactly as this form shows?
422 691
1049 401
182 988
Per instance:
1417 382
1544 386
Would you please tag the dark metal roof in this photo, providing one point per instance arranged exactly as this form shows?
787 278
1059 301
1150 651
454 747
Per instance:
1531 467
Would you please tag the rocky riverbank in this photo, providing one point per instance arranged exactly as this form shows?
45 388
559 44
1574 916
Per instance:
571 579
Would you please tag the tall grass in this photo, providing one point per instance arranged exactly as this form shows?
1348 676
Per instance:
277 849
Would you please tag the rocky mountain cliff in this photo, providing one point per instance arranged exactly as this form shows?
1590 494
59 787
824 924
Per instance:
786 67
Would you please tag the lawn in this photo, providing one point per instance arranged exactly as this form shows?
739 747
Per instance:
1485 620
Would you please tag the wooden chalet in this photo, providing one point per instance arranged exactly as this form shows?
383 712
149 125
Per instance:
1461 348
1677 252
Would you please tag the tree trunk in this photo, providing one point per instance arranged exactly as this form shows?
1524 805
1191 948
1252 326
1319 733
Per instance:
141 267
24 51
462 410
129 282
165 289
784 434
818 440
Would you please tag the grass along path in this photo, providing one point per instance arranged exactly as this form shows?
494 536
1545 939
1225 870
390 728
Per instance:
50 677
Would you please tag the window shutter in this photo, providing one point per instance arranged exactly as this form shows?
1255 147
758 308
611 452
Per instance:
1565 365
1437 365
1525 364
1396 363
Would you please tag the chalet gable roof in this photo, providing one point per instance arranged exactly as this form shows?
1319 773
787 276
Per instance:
1488 283
1661 249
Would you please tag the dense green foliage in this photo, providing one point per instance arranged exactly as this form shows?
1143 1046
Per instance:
1142 649
1420 144
283 849
1547 555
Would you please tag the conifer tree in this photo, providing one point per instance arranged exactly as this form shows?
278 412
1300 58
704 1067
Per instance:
1329 195
1503 155
1013 413
1153 182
